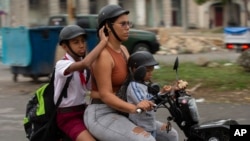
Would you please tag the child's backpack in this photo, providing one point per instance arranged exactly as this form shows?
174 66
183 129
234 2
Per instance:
40 119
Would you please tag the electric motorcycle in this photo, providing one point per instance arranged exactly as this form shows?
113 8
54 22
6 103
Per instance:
183 111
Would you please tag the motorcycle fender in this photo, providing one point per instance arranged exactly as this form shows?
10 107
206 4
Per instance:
225 123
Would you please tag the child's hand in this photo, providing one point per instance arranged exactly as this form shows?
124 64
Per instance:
166 88
102 35
182 84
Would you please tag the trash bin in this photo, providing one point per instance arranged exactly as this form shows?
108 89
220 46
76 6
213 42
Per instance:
92 39
16 49
30 51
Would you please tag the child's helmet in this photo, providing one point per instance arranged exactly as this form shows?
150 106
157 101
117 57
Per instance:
70 32
141 58
108 12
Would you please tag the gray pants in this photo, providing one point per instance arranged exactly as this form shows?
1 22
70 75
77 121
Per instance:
107 125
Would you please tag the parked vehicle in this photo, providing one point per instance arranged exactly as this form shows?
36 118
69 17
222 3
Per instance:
138 39
184 112
237 38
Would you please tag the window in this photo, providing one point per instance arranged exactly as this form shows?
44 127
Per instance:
34 4
58 21
63 6
92 7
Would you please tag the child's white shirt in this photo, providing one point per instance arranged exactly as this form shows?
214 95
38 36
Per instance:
76 93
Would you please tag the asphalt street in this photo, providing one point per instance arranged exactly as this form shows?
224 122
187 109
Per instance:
14 96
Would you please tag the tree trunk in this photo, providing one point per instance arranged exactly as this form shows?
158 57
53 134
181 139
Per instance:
246 13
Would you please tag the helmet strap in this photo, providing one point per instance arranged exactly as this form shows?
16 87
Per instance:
113 31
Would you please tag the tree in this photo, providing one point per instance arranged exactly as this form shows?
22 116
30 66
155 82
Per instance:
246 12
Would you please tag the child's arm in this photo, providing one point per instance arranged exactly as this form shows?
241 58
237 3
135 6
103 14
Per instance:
180 84
89 58
165 89
138 94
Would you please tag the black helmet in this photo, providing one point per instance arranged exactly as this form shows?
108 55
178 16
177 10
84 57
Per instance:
70 32
110 11
141 58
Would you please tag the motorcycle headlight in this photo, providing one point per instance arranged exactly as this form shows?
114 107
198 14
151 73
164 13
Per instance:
193 109
189 103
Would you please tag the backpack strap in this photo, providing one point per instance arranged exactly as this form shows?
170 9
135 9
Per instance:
52 118
88 75
64 91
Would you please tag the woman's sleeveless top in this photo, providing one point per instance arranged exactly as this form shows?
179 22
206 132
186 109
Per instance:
119 71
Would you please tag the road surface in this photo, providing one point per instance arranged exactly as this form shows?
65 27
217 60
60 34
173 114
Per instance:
14 96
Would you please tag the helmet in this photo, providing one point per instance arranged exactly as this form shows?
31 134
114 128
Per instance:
70 32
110 11
141 58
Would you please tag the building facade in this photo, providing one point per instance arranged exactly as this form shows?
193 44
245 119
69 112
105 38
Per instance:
149 13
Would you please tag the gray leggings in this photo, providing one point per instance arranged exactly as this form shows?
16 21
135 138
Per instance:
106 124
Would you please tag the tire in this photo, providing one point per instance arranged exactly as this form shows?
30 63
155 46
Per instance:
141 47
218 135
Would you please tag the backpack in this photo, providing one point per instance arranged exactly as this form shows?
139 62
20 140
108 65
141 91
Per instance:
40 119
122 92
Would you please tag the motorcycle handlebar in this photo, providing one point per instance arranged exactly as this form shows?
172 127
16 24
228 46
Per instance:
138 111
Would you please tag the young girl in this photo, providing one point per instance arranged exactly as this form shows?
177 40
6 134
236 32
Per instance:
138 89
72 38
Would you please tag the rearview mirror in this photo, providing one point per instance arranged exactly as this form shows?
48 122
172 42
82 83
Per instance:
176 66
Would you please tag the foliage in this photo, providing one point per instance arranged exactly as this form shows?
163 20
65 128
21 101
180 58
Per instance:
222 78
200 2
244 60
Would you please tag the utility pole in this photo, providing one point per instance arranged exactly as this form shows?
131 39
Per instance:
71 11
154 12
184 14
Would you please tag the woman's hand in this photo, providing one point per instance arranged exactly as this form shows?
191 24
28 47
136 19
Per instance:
102 35
145 105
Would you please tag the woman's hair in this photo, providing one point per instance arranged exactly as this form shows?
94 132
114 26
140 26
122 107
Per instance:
111 20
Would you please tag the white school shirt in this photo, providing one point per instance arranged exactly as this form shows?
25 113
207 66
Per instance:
76 93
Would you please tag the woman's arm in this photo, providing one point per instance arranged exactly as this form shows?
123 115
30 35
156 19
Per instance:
102 72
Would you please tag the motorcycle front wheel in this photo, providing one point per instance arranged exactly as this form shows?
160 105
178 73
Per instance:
218 135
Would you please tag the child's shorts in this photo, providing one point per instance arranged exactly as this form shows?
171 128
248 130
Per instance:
71 123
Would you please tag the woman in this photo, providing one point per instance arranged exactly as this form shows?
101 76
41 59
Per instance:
109 72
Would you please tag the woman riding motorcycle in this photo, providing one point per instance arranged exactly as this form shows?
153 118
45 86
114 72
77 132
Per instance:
102 116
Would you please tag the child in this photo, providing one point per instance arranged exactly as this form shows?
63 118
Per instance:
72 38
138 90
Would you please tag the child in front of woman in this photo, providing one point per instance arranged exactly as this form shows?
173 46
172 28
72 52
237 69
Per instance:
141 66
